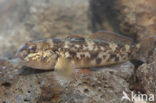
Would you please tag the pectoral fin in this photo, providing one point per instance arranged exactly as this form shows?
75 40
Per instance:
63 67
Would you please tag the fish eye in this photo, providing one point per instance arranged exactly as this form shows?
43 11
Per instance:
32 48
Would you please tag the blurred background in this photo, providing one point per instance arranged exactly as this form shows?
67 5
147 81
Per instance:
23 20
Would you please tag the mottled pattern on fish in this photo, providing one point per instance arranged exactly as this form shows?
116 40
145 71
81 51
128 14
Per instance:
78 51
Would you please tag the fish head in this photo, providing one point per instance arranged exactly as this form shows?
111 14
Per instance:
38 54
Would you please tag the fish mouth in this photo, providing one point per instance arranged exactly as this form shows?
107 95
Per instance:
21 55
22 52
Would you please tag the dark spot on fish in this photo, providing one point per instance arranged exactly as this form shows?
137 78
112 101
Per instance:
122 55
112 56
104 56
44 58
94 55
98 61
69 58
116 58
124 58
66 50
72 53
82 55
123 49
108 60
81 47
57 43
129 54
76 58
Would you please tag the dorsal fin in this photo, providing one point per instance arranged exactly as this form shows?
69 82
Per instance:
75 38
110 36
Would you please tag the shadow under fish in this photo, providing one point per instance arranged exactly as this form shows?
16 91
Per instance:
25 70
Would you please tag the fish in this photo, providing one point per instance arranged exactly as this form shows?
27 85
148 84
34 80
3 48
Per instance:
76 51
